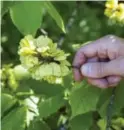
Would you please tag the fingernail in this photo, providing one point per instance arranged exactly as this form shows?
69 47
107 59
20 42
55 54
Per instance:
85 70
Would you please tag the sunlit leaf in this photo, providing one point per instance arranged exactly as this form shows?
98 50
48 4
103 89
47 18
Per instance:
54 14
84 99
31 104
15 120
50 105
102 124
7 101
27 16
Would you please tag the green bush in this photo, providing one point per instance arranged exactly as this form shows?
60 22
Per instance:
29 104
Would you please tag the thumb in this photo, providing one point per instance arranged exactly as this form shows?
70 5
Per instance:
103 69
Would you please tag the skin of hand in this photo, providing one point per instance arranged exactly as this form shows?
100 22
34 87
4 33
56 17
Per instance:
101 62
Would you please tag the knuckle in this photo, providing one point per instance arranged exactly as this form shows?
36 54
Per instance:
112 39
102 52
110 36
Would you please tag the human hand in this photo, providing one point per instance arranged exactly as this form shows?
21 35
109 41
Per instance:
101 62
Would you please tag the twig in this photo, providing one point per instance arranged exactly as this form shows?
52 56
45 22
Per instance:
62 38
43 32
69 25
109 109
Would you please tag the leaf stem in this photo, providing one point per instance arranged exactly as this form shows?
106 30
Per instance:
109 109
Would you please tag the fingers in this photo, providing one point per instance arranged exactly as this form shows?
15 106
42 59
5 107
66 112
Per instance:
113 80
103 69
116 67
101 83
79 60
94 70
77 74
93 59
107 47
110 81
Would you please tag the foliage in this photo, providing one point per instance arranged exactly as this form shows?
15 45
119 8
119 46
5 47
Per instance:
30 104
115 11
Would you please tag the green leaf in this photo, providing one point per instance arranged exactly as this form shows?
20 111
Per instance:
102 124
43 88
81 122
68 80
84 99
53 121
15 120
7 101
5 6
116 123
38 125
105 99
27 16
119 94
20 72
54 14
50 105
31 104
